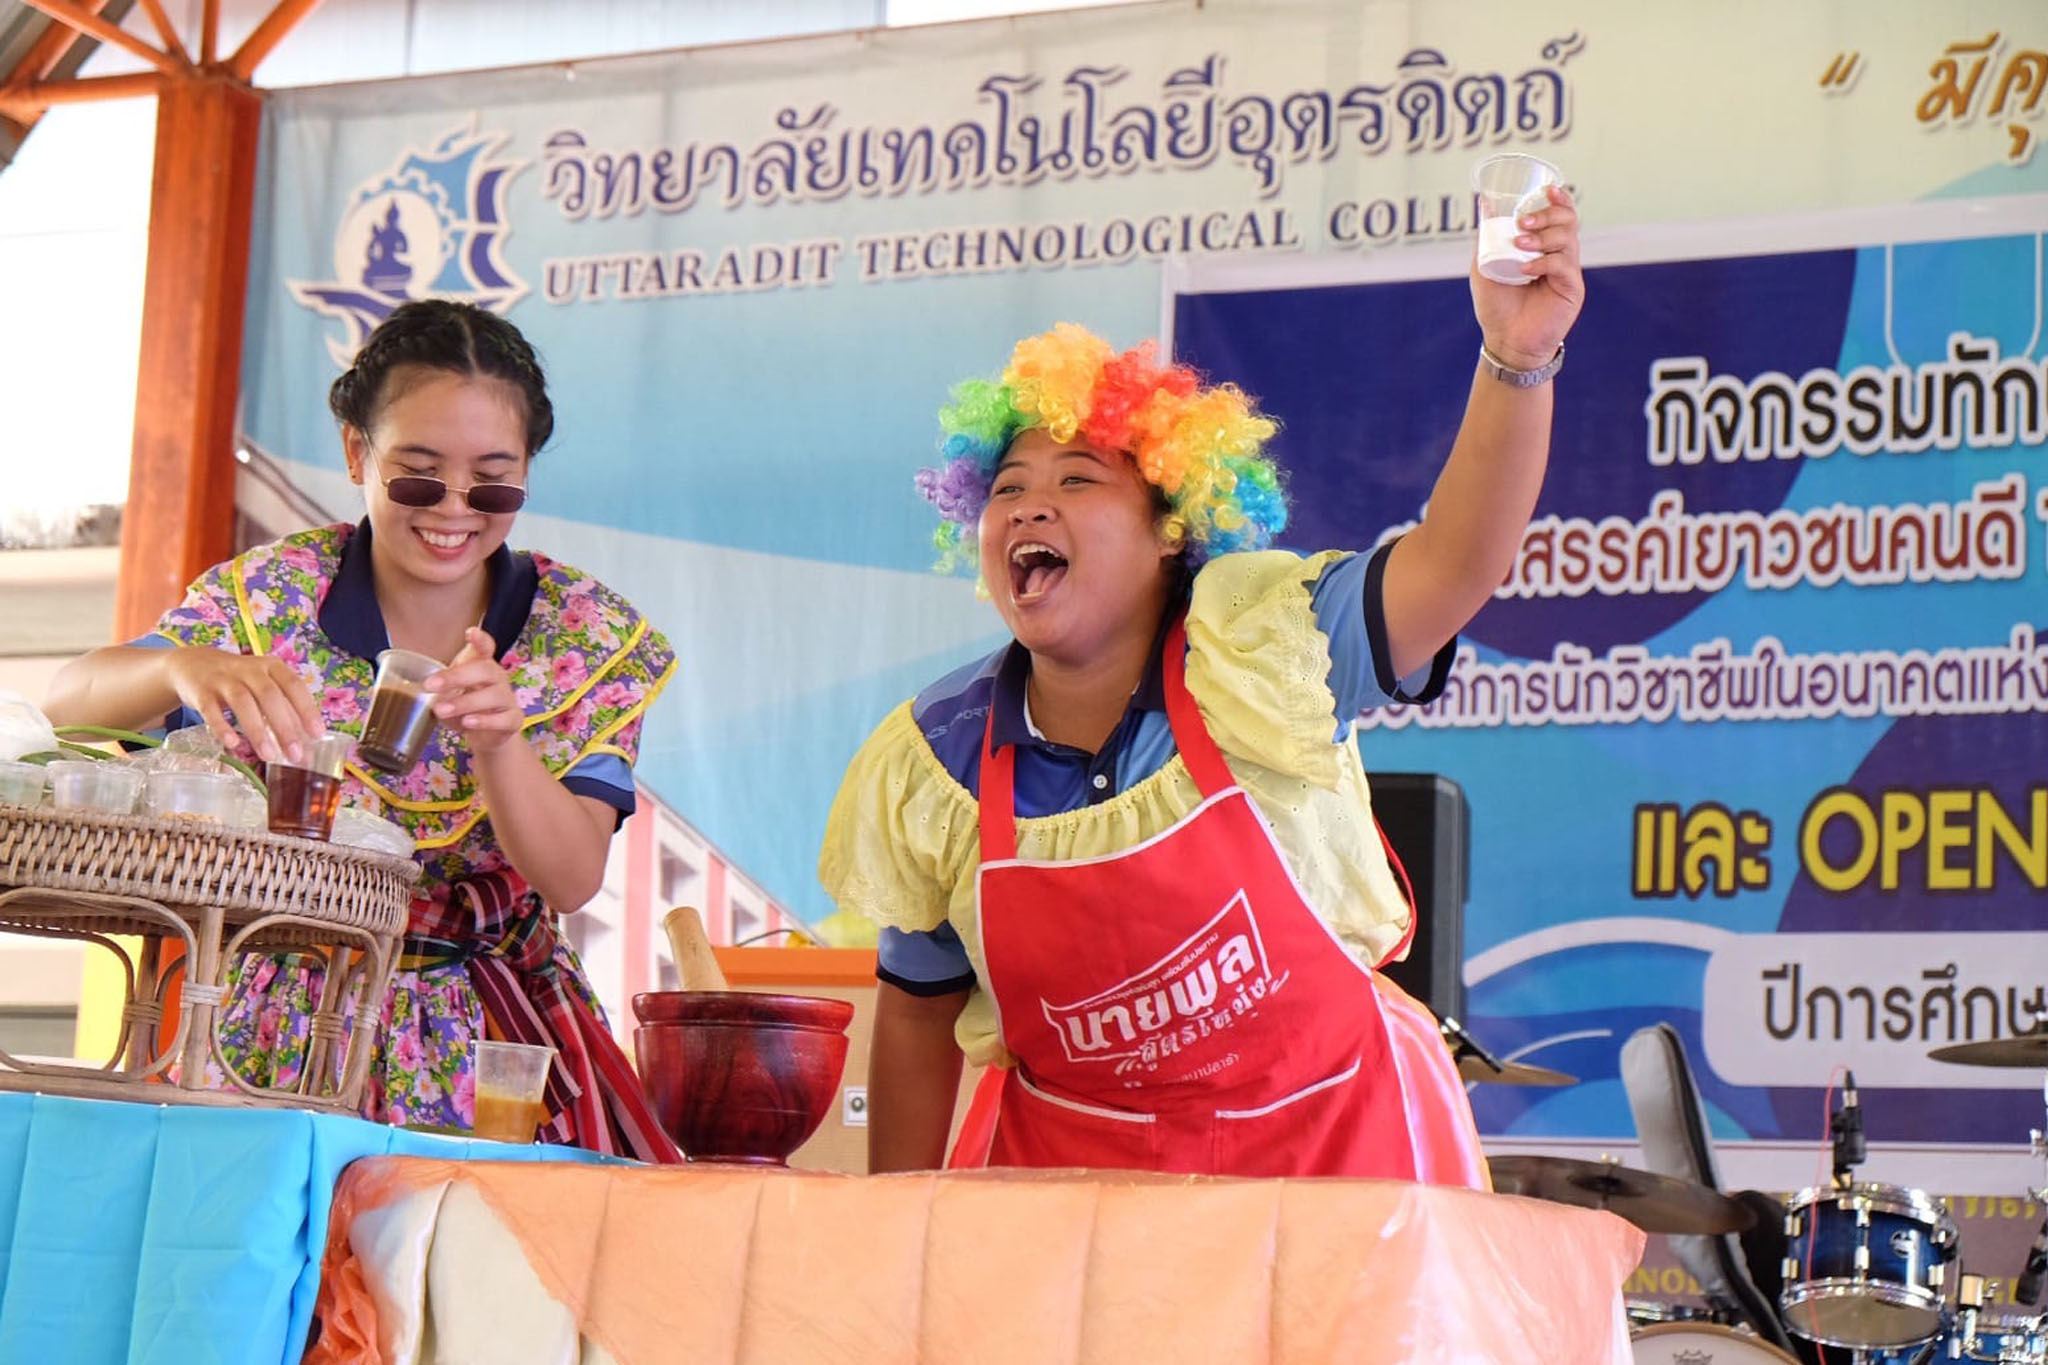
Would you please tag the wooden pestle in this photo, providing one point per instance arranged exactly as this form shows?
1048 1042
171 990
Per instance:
696 965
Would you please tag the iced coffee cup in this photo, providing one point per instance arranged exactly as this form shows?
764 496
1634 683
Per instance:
511 1085
1510 184
304 797
401 712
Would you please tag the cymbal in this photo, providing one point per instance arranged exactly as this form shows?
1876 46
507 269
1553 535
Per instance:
1511 1073
2030 1050
1654 1203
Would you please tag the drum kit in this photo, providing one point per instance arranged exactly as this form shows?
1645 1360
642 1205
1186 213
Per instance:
1871 1271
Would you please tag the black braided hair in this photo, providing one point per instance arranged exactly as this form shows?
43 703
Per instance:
442 334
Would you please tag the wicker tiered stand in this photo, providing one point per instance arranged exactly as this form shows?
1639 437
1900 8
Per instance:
220 893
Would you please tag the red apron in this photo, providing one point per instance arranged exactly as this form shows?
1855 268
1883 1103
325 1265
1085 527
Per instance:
1178 1006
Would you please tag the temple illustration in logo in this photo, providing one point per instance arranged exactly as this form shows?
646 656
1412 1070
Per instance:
432 225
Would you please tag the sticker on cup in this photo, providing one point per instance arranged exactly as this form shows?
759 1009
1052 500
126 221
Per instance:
511 1085
1510 184
304 797
401 712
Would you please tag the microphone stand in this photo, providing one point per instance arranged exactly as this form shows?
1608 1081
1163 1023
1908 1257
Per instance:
1845 1126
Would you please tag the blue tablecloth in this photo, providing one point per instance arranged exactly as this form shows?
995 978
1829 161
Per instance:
174 1234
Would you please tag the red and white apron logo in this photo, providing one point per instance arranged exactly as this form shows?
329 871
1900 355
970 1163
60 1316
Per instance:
1206 984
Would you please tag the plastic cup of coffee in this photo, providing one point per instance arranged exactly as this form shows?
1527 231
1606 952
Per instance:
304 797
511 1083
1510 184
401 712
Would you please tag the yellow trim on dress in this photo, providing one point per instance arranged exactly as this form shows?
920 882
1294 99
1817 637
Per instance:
391 798
259 639
632 643
632 714
260 642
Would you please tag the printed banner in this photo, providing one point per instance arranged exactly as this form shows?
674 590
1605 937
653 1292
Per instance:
1750 733
1747 733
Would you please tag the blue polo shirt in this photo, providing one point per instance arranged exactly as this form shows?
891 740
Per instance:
1054 778
350 617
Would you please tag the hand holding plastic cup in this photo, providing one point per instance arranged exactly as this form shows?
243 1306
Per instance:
304 797
1510 184
511 1084
401 712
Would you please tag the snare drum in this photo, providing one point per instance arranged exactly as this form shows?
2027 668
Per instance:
1866 1265
1687 1343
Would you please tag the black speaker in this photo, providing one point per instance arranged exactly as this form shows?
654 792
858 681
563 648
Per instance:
1430 826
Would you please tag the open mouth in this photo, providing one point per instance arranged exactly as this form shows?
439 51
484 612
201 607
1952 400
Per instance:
1035 570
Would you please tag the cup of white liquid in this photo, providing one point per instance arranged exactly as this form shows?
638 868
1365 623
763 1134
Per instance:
1510 184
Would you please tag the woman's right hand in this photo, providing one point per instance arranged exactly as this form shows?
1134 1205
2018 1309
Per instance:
273 708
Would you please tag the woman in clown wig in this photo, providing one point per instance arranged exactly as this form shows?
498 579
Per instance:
1129 861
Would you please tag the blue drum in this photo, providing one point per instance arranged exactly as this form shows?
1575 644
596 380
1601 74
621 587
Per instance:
1989 1339
1866 1265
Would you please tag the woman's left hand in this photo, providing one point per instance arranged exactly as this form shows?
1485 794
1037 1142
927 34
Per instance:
476 696
1524 324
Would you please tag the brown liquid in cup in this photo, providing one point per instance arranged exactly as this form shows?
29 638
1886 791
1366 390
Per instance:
503 1117
302 802
401 720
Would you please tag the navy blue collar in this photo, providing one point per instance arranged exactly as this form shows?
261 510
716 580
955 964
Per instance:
351 618
1008 726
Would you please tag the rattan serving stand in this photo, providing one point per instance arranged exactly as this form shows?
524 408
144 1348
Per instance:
219 892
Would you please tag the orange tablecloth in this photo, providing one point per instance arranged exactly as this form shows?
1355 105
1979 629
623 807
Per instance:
432 1260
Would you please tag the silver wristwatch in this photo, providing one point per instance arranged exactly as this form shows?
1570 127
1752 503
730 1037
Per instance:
1521 379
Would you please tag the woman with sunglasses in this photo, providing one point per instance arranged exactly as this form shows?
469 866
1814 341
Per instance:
529 772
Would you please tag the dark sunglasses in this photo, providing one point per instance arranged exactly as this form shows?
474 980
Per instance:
491 499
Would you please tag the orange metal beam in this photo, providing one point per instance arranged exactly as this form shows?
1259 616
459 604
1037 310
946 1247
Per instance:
42 58
165 30
209 32
258 45
25 103
91 24
181 491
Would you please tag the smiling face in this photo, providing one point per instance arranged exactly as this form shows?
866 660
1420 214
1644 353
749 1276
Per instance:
1071 550
460 429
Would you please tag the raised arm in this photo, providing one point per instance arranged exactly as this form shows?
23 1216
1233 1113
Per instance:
1442 572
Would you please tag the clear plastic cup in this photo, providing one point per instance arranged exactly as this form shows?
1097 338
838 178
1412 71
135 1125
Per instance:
511 1082
21 784
401 712
1510 184
93 784
304 797
196 796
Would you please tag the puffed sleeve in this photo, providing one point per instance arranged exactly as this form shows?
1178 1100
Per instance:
1258 663
902 833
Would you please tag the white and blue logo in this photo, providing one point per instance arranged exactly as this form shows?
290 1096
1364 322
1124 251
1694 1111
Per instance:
432 226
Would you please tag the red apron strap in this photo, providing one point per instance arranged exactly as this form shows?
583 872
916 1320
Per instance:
978 1124
1199 752
998 803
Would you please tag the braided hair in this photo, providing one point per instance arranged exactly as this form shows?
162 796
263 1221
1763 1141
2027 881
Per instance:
457 338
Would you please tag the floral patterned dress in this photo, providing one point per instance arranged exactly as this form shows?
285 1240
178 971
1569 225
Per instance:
584 669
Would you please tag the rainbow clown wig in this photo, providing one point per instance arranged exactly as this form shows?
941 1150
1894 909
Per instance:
1202 448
